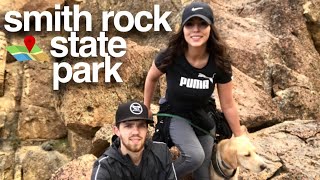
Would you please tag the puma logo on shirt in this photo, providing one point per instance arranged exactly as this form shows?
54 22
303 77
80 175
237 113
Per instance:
194 83
204 76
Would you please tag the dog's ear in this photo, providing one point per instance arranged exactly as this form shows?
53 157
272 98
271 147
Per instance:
229 155
233 159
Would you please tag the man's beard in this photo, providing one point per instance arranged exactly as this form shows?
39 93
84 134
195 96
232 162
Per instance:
133 147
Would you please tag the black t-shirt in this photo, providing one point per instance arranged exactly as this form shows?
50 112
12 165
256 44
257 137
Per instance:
189 88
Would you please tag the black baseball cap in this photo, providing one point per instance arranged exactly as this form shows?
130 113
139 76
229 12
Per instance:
132 111
197 9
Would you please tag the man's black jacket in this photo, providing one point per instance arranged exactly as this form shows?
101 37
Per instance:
156 164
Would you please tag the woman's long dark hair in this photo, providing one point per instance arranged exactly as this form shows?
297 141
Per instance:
215 47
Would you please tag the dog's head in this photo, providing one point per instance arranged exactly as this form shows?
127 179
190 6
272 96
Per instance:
239 151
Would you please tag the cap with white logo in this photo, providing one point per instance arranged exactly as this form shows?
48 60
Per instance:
132 111
197 9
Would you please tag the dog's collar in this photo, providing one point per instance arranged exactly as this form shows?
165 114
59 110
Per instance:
216 165
223 164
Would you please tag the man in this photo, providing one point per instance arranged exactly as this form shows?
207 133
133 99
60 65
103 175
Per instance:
132 156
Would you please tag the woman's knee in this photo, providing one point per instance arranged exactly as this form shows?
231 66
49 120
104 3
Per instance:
195 157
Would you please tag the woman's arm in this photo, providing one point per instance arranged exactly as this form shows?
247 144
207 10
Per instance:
150 85
228 107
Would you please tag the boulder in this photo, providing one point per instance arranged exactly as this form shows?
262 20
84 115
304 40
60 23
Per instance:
35 163
290 150
79 145
102 140
77 169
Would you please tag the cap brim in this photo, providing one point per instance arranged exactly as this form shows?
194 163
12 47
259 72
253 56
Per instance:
149 121
197 15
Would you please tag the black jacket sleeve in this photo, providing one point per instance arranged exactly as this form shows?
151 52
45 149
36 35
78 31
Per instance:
161 150
99 171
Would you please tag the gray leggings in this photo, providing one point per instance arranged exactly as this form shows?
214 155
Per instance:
195 150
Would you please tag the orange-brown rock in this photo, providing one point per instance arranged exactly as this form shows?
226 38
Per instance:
39 118
3 59
267 37
26 5
95 104
7 164
78 169
312 14
289 149
35 163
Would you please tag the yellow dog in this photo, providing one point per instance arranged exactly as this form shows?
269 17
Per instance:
232 153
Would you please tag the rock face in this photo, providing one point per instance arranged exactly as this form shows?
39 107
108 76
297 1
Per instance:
291 148
311 12
256 108
274 46
25 5
3 58
38 118
100 100
278 53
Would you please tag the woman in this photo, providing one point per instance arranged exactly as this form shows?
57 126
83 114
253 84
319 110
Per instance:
194 61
